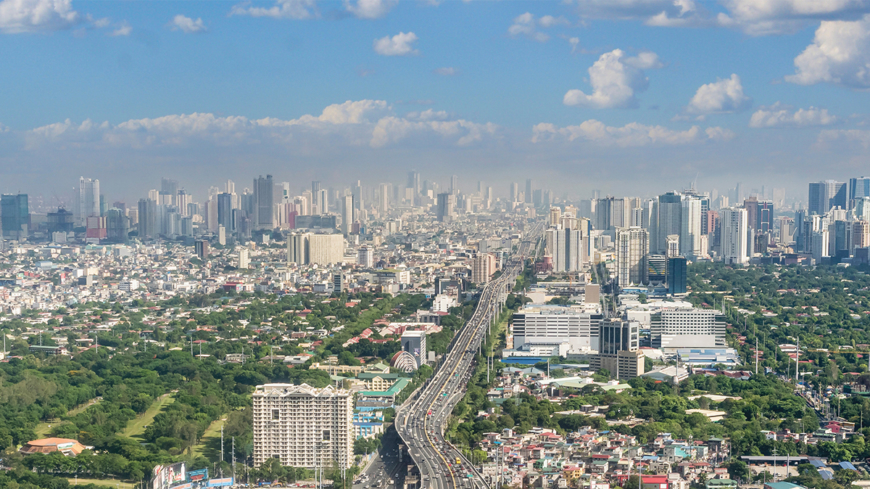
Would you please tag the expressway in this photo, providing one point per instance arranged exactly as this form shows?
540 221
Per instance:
421 421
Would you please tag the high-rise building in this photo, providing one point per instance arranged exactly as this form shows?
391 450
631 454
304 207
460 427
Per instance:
860 235
61 221
148 218
446 207
482 268
668 219
619 352
414 342
632 247
15 215
325 249
244 258
690 227
201 249
321 202
657 268
826 195
555 216
347 214
88 200
384 198
117 226
529 189
302 426
552 325
687 327
566 246
414 186
225 211
454 184
515 192
858 188
264 190
297 248
677 272
169 191
366 257
734 235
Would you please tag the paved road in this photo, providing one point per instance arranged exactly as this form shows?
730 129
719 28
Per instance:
385 466
422 419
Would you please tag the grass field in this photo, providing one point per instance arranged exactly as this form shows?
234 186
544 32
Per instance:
114 483
137 426
42 429
210 443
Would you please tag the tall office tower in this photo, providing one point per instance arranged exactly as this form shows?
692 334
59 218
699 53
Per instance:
15 215
657 269
765 217
88 201
358 196
454 184
555 216
858 188
488 197
786 230
800 217
211 214
347 214
482 268
414 185
687 327
838 232
117 226
529 189
244 259
669 219
169 188
861 208
365 257
734 235
225 211
690 227
154 195
677 273
297 248
187 226
315 187
325 249
147 218
712 223
183 201
751 206
230 187
384 198
321 202
826 195
263 190
302 426
414 342
515 192
201 249
619 352
860 235
632 247
222 235
820 247
445 207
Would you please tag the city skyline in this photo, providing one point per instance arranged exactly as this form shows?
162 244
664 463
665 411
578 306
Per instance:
587 95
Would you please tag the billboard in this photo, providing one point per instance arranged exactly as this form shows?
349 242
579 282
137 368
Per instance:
167 476
197 475
220 482
186 485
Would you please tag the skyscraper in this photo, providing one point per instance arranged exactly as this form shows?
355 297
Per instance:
690 227
263 197
88 199
529 189
384 198
225 210
669 219
858 188
619 352
15 215
734 235
515 192
169 189
347 213
454 184
147 218
446 205
826 195
632 247
414 185
297 248
677 269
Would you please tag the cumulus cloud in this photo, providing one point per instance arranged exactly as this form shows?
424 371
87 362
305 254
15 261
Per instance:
783 115
763 17
665 13
355 123
186 24
722 96
283 9
398 45
527 25
446 71
370 9
123 29
632 134
839 54
18 16
615 79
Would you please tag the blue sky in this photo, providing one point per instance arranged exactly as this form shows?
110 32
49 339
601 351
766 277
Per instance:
627 96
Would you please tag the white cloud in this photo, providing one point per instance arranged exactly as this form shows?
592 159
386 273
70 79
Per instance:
446 71
722 96
839 54
665 13
283 9
861 136
615 79
355 123
398 45
186 24
18 16
123 29
632 134
764 17
782 115
526 25
370 9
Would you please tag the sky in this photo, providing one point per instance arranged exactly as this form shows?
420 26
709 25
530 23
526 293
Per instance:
629 97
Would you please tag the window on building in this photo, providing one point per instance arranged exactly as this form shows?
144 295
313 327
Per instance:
276 414
325 435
